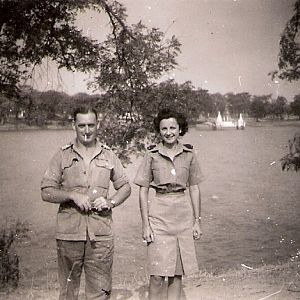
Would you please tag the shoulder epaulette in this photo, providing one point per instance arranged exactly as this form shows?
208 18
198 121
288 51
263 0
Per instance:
189 146
65 147
106 147
152 147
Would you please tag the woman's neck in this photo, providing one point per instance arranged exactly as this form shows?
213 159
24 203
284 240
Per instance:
171 146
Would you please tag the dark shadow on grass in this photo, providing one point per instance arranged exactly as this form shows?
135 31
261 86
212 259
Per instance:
142 292
121 294
182 295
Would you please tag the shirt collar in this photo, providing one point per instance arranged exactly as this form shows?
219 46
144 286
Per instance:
98 146
179 149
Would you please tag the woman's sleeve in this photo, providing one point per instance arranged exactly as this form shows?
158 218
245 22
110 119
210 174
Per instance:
195 174
144 174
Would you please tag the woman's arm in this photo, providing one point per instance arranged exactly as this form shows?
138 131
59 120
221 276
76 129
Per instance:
144 209
195 195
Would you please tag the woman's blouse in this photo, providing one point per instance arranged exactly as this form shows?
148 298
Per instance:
159 171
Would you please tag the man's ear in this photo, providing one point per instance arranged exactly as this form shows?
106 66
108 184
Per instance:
73 125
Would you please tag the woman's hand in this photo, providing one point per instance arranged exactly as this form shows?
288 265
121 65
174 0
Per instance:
197 232
148 235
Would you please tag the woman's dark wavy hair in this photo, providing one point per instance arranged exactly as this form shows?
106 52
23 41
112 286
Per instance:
84 109
167 113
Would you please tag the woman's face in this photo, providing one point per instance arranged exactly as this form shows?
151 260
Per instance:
169 130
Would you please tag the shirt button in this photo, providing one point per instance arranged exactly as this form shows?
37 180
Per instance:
84 172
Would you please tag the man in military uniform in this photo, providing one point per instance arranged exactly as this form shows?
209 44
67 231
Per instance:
78 179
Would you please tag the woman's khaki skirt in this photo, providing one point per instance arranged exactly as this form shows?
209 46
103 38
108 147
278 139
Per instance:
173 250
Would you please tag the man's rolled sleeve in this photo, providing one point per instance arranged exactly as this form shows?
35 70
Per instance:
52 175
144 173
119 177
195 176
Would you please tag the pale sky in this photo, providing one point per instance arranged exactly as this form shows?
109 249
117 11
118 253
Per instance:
227 45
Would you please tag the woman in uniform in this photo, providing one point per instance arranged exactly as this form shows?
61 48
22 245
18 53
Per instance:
171 220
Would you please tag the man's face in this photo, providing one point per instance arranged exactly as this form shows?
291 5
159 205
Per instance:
86 127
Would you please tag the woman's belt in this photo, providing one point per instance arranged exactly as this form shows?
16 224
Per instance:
162 191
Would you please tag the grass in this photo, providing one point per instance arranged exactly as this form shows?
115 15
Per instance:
11 234
234 284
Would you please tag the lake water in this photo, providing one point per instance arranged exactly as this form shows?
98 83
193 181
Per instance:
250 208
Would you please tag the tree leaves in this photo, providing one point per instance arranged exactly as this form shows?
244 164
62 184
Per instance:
289 53
292 159
31 30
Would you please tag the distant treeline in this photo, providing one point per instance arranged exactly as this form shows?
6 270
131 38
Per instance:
40 108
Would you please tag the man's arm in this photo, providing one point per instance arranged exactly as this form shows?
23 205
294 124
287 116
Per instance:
118 198
55 195
121 194
51 186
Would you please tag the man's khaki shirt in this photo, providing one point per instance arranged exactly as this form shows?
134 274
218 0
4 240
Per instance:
67 171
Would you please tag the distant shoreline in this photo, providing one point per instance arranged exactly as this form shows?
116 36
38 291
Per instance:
249 122
24 127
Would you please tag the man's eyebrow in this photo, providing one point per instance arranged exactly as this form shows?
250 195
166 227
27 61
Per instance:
86 124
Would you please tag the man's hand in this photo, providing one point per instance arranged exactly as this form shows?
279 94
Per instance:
82 201
101 204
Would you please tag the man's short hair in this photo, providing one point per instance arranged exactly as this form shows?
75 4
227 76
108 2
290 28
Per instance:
84 110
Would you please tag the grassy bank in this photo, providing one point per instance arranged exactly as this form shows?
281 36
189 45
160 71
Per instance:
267 282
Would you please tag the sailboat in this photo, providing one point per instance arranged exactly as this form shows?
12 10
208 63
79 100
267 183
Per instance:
241 124
226 122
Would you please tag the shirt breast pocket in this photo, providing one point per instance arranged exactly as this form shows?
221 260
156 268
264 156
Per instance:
102 173
71 170
183 174
160 174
